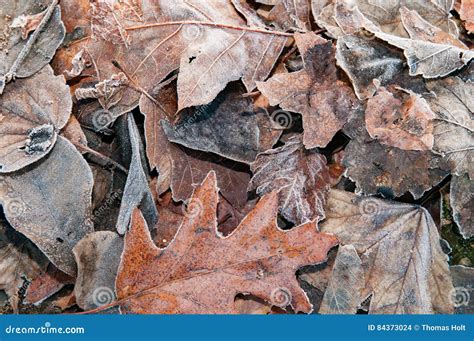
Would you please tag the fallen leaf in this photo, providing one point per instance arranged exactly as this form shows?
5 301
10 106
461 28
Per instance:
453 104
462 203
98 258
257 258
467 14
399 246
137 190
370 64
377 168
429 59
461 296
54 217
21 262
343 293
31 116
301 178
46 285
24 57
239 135
316 92
400 118
210 44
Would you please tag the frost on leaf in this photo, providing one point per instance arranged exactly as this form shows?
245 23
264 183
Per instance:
405 268
212 270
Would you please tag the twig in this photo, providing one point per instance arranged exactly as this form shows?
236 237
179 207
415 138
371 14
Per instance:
11 74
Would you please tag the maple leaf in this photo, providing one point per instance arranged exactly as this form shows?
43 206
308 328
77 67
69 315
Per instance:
316 92
20 57
405 268
201 272
301 177
453 105
54 217
30 117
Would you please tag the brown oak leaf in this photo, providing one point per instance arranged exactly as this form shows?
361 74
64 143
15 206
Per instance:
201 272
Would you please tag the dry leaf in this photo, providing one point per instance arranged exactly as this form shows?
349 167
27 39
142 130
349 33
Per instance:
31 116
344 290
24 57
256 258
400 118
21 262
467 14
46 285
369 64
453 104
400 250
137 190
301 177
462 203
376 168
54 217
98 258
461 296
325 102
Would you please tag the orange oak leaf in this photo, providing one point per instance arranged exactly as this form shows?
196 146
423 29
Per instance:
202 272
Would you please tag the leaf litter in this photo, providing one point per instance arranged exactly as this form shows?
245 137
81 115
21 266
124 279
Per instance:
238 156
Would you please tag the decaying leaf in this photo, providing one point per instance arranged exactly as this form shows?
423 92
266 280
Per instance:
55 217
369 64
212 270
467 14
462 203
31 116
453 104
137 190
300 177
461 296
21 262
377 168
344 291
21 57
430 58
238 136
98 259
46 285
325 102
399 246
400 119
209 43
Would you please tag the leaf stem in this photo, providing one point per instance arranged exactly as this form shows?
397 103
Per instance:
29 44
